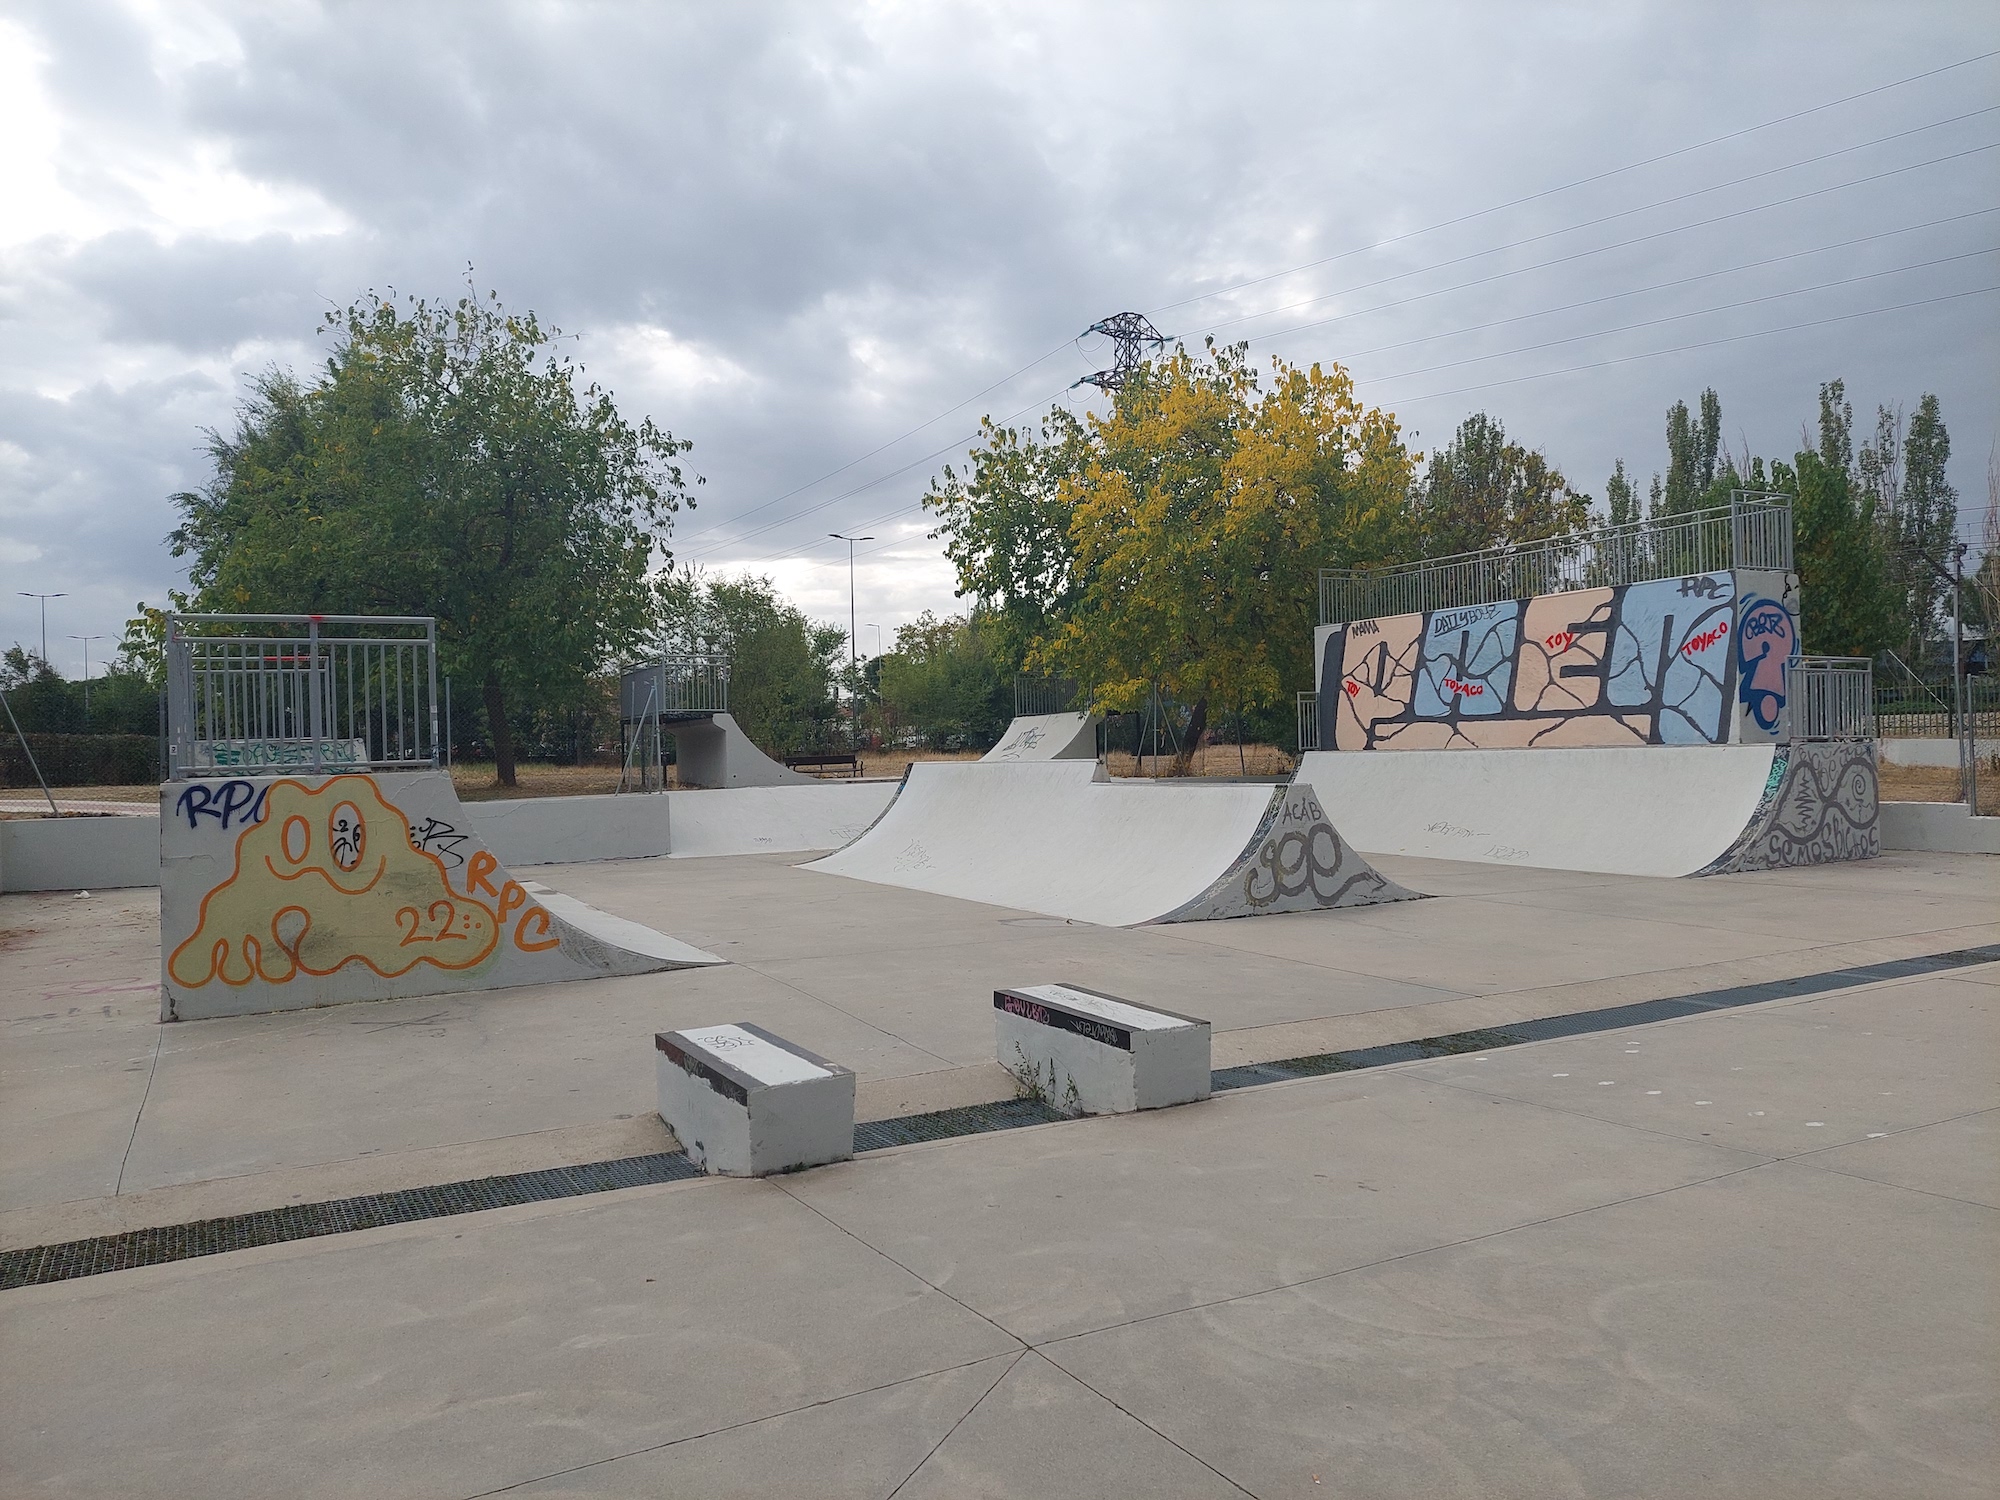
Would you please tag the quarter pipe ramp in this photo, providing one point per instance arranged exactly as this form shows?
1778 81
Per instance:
1047 737
1063 839
281 892
1665 810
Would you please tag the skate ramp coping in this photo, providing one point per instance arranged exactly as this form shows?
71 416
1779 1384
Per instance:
283 893
1063 839
1659 810
1048 737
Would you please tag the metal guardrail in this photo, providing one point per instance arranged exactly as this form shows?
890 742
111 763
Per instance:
1753 531
1034 696
256 694
1830 698
682 684
1308 722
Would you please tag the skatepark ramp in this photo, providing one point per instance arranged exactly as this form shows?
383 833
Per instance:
685 698
286 892
1644 810
1063 839
1063 736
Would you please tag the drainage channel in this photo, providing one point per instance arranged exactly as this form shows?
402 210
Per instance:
39 1264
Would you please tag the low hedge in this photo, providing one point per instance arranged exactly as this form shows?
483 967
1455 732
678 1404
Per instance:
81 759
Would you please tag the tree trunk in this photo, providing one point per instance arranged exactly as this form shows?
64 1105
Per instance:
503 733
1196 728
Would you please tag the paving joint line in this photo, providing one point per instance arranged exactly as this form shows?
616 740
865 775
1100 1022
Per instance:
41 1264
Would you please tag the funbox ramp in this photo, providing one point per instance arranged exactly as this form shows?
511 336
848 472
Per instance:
773 819
283 892
1644 810
1064 839
1047 737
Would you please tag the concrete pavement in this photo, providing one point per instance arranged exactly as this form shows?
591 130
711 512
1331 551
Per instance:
1751 1252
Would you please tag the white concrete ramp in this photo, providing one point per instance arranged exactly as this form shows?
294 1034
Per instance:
1048 737
713 751
774 819
1663 810
286 892
1063 839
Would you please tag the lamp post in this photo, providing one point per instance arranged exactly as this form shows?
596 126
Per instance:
853 704
86 639
878 639
45 598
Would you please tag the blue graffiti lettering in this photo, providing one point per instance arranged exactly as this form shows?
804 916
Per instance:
222 801
1767 640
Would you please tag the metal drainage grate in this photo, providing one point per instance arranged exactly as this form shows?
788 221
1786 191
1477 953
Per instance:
1581 1023
151 1247
943 1124
304 1221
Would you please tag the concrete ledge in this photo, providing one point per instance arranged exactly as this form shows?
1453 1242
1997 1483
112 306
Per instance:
1087 1053
570 830
746 1103
1945 827
79 854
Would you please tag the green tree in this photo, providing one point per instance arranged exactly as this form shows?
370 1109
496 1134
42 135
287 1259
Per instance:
447 461
1483 490
1926 524
781 665
948 680
1200 521
1846 605
1620 498
1694 444
1005 526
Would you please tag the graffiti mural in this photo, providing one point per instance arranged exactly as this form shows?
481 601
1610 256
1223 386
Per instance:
327 877
1821 805
1295 861
1767 641
1644 664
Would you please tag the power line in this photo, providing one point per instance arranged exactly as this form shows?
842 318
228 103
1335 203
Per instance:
1649 322
1736 338
1541 375
1583 181
1625 213
1007 380
722 543
1460 286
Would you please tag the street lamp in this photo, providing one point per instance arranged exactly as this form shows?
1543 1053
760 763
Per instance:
878 639
86 639
45 598
855 709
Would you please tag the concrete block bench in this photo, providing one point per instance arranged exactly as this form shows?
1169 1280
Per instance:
745 1103
1087 1053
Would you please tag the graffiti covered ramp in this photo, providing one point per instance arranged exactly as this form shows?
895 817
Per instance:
283 892
1062 839
1663 810
1047 737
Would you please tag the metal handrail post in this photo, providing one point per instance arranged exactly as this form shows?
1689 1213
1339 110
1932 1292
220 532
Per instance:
315 705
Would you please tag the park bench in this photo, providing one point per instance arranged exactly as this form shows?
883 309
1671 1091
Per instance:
825 765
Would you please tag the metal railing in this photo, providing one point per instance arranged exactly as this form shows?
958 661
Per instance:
255 694
1830 698
1308 722
1753 531
1034 696
679 685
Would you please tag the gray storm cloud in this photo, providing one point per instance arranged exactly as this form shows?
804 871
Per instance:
795 233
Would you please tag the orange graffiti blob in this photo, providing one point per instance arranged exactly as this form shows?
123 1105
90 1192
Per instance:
327 878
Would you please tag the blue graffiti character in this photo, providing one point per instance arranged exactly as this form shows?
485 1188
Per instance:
1767 641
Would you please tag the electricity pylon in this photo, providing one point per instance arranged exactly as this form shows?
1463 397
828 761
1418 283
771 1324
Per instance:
1127 330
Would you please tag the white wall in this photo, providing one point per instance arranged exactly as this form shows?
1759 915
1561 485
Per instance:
79 854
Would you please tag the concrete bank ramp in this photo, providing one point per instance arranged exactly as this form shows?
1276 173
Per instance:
1663 810
1047 737
285 892
1063 839
774 819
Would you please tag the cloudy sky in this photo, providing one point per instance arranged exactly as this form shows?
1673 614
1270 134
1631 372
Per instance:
820 240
